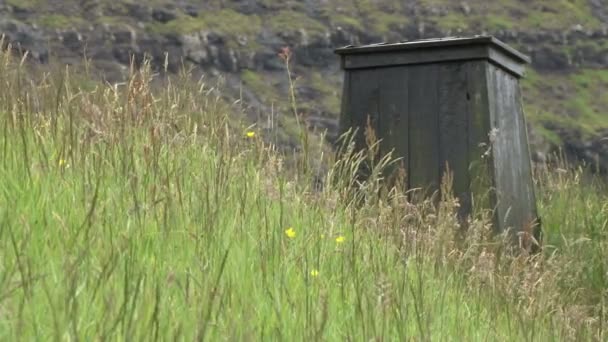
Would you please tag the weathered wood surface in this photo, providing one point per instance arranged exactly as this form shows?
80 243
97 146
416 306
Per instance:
481 167
424 128
516 204
363 102
413 57
444 56
434 51
346 122
379 95
432 44
465 115
453 112
526 173
393 127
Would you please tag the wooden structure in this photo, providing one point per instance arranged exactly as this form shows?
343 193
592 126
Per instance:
452 102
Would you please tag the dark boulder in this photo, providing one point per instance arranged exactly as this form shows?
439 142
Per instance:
24 38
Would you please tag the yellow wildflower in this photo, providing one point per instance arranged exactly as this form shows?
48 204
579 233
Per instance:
250 134
290 232
314 273
340 239
63 163
322 236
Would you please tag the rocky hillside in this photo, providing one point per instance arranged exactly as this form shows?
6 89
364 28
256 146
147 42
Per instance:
566 90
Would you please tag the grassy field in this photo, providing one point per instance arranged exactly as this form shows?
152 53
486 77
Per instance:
132 213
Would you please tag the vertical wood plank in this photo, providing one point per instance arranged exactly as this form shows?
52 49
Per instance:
346 122
481 171
509 134
393 106
516 205
526 167
364 102
491 74
423 128
453 130
499 134
530 219
511 144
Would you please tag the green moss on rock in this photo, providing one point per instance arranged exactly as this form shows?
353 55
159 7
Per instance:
290 21
25 4
259 85
238 29
574 100
513 14
59 21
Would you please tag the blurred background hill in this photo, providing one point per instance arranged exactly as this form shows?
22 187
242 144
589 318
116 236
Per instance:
237 41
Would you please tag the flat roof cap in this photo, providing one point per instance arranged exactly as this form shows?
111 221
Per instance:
433 50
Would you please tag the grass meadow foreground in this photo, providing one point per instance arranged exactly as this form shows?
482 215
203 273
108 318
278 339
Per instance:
135 214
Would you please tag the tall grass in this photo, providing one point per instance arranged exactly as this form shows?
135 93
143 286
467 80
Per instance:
134 213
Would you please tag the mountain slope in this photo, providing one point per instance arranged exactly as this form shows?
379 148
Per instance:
239 39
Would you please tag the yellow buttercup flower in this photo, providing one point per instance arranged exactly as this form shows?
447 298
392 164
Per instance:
250 134
63 163
340 239
290 232
314 273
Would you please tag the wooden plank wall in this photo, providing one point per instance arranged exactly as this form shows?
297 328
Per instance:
361 102
453 112
479 126
393 127
422 113
424 128
516 204
382 95
467 116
